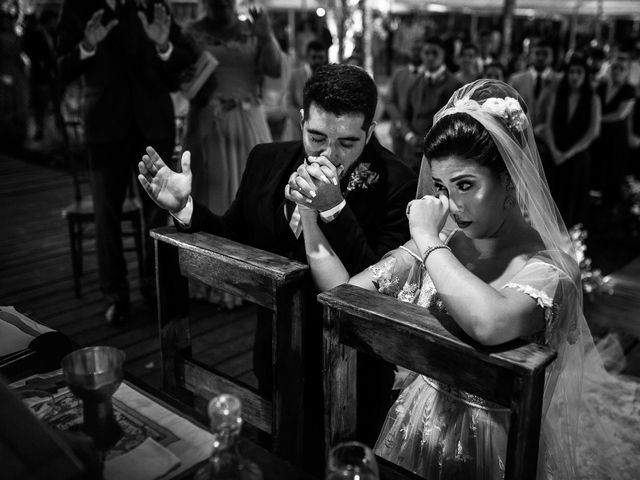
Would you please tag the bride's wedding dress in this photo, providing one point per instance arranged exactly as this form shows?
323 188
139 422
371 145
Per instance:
440 432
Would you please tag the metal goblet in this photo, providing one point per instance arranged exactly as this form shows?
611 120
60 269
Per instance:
93 374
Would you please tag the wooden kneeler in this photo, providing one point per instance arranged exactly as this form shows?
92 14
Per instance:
511 375
274 283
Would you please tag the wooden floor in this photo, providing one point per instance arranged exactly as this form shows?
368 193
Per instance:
36 278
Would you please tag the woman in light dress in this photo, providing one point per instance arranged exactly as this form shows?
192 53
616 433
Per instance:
489 248
227 118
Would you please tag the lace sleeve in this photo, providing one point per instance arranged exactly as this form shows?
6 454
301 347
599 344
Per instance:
541 281
390 274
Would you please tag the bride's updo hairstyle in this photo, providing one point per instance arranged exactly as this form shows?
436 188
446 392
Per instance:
462 136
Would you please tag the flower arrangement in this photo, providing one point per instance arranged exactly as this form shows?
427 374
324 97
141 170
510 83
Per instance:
362 177
593 282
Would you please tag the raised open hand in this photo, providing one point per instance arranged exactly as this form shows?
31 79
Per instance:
169 189
158 30
260 21
95 31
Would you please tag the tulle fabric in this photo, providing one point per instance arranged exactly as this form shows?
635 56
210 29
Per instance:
573 433
450 438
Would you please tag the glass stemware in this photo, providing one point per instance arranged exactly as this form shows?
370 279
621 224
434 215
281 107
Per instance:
93 374
351 461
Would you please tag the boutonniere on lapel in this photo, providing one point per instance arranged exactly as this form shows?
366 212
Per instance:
362 177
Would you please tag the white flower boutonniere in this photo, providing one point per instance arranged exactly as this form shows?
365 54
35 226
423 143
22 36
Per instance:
362 177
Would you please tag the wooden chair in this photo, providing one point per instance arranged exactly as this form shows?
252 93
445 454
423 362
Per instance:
405 334
274 283
80 213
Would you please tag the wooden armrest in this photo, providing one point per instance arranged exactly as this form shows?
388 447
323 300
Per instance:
246 271
408 335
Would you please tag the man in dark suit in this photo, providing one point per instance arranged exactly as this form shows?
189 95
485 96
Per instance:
362 213
397 99
428 94
535 83
317 56
129 53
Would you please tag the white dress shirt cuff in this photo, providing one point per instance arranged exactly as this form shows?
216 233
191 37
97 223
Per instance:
84 54
184 216
329 215
165 56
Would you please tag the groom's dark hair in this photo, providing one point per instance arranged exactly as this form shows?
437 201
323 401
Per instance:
341 89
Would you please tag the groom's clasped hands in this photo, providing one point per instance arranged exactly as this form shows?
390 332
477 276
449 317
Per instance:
315 184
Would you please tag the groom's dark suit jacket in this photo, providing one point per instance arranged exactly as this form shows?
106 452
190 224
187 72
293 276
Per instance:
372 223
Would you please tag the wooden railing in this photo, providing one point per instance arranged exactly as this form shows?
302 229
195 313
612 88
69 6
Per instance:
274 283
405 334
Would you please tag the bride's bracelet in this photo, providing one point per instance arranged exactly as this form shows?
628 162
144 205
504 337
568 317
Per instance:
432 249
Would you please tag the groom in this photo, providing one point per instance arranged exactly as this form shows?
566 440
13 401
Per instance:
361 208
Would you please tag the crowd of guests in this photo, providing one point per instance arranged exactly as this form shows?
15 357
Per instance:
584 113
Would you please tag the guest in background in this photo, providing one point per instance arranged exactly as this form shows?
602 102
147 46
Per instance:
428 94
531 83
486 53
397 99
572 125
39 45
13 80
469 64
598 65
227 119
517 64
611 151
129 55
317 55
494 71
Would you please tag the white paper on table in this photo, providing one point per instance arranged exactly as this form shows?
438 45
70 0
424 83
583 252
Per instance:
195 443
147 461
17 330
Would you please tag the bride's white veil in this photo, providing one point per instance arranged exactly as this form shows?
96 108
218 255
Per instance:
499 109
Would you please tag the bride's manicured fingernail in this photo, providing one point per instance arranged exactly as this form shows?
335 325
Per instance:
335 181
312 193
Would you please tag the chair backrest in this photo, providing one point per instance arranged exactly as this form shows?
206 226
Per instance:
511 375
274 283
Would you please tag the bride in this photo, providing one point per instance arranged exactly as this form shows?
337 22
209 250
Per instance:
488 247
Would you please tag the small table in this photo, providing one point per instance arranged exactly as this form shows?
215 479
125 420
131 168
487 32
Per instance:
146 412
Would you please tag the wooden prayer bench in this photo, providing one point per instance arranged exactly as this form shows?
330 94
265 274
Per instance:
511 375
274 283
